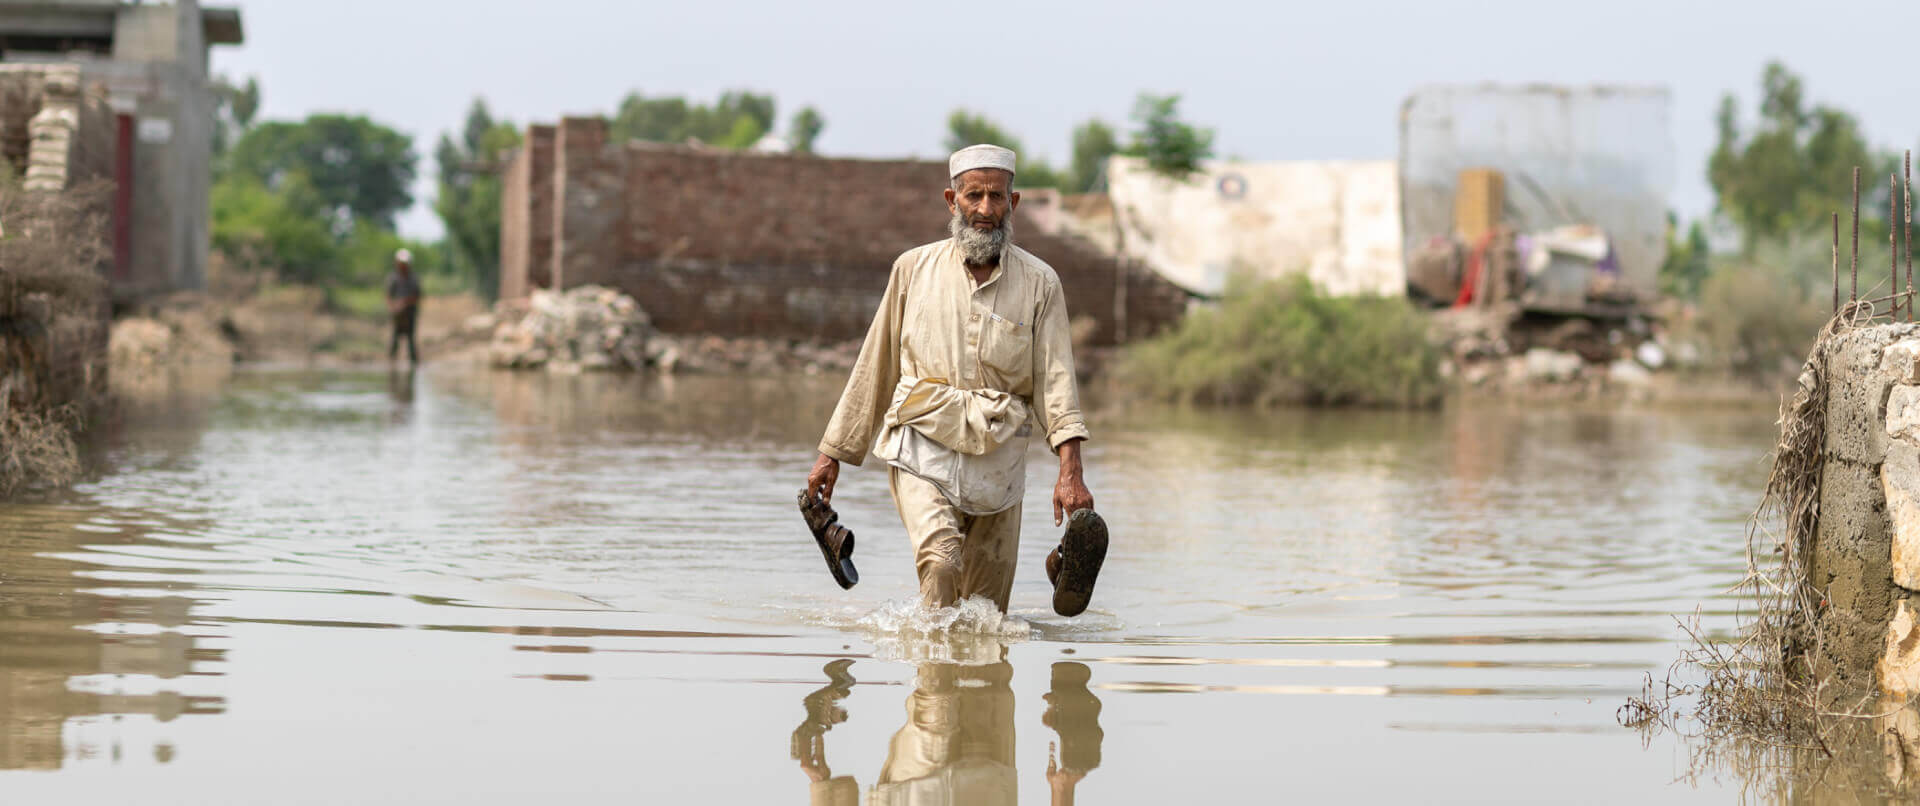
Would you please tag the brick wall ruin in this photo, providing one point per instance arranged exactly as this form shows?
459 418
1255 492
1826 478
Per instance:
766 245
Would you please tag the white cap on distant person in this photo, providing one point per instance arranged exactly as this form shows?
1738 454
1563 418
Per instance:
403 256
979 156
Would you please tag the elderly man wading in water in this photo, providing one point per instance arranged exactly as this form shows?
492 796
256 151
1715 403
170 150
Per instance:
968 356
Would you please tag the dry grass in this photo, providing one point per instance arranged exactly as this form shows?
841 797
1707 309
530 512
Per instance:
53 244
53 329
37 448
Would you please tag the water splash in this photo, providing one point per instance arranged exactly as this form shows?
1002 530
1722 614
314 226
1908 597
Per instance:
972 631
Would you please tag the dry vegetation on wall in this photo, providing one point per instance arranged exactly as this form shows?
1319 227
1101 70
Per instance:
1754 695
53 329
1283 342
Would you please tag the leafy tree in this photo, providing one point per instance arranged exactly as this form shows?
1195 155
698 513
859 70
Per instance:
1171 146
468 201
358 168
1093 143
737 120
805 128
966 128
235 106
1688 262
284 230
745 132
1795 167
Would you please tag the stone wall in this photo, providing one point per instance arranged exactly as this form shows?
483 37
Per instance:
763 245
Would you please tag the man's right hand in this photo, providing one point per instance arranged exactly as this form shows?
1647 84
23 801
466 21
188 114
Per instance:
826 471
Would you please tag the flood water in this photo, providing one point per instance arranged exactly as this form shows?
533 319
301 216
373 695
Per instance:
465 587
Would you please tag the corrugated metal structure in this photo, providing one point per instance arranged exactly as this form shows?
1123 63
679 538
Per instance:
1600 156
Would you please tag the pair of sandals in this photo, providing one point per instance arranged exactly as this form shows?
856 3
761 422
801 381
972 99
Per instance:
1072 566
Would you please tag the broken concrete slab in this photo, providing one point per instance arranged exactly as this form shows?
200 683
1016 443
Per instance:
1903 413
1901 360
1899 667
1543 364
1900 483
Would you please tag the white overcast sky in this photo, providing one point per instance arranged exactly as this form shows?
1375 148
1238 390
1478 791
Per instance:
1276 80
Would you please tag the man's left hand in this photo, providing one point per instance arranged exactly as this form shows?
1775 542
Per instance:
1070 493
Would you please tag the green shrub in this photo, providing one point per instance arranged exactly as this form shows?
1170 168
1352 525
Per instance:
1278 342
1759 313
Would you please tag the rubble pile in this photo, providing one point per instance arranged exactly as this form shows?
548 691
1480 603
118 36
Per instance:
1495 349
585 328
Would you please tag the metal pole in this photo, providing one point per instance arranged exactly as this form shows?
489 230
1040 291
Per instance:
1836 262
1906 237
1853 260
1893 247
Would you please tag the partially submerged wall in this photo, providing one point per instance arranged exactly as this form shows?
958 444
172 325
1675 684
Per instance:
1865 558
763 245
1851 562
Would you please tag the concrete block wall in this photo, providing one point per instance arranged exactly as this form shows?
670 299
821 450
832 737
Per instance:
1850 562
766 245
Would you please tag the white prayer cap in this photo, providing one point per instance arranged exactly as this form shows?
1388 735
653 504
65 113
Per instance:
403 256
979 156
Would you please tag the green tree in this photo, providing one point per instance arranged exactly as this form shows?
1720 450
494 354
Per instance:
1688 261
966 128
737 120
235 106
1171 146
1093 143
805 128
358 168
468 201
1795 167
283 230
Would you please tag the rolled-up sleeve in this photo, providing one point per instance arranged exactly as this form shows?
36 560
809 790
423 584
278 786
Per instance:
1056 393
863 404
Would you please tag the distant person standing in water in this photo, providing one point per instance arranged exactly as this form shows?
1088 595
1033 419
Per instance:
403 302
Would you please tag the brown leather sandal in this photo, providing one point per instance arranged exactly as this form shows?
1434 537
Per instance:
1073 565
835 540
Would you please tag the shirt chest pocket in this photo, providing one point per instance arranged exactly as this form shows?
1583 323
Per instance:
1006 347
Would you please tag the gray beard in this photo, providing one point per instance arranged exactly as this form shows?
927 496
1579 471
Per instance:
981 248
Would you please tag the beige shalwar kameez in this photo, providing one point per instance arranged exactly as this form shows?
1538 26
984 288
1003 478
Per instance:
1005 342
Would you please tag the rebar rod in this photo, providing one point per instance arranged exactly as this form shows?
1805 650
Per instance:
1853 259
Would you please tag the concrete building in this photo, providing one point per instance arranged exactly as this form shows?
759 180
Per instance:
147 63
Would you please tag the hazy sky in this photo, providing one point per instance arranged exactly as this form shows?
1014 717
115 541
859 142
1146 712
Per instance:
1320 80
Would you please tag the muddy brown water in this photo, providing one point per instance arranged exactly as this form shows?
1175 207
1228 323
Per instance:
352 587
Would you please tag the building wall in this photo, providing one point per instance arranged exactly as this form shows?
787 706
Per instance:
589 208
769 245
1336 221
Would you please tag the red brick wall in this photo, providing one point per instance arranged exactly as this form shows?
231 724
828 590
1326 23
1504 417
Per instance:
589 205
780 246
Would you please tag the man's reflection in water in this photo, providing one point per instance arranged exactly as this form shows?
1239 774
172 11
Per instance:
957 744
